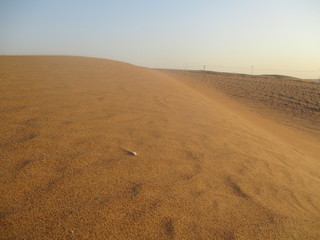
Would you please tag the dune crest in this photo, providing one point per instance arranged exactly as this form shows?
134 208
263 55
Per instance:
201 171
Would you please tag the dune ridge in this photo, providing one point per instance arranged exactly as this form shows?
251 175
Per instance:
201 171
296 97
293 117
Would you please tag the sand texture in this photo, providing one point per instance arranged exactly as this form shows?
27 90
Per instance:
207 166
297 98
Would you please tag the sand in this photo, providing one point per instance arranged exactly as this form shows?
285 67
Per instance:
299 99
207 166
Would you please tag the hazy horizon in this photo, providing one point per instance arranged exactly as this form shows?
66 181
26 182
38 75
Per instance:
275 37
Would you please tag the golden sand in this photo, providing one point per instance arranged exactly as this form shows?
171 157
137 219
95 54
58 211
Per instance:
207 167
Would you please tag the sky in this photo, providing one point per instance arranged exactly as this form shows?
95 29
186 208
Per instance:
273 36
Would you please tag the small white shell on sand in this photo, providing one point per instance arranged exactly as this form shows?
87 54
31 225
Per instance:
133 153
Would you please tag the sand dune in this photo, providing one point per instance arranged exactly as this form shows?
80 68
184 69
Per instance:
295 97
202 170
286 107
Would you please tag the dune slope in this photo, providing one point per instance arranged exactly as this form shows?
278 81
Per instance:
295 98
68 125
287 108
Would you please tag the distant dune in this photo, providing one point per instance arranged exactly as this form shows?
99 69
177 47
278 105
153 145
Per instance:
291 97
277 76
218 157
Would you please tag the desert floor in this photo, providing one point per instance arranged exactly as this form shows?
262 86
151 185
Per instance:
219 156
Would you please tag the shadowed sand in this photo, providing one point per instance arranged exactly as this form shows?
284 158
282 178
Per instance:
203 169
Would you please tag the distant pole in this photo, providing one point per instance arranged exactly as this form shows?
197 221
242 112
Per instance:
185 66
204 67
252 70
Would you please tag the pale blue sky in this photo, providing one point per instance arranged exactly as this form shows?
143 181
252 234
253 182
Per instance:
269 34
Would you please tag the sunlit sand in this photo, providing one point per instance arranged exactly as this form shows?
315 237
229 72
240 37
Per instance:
99 149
